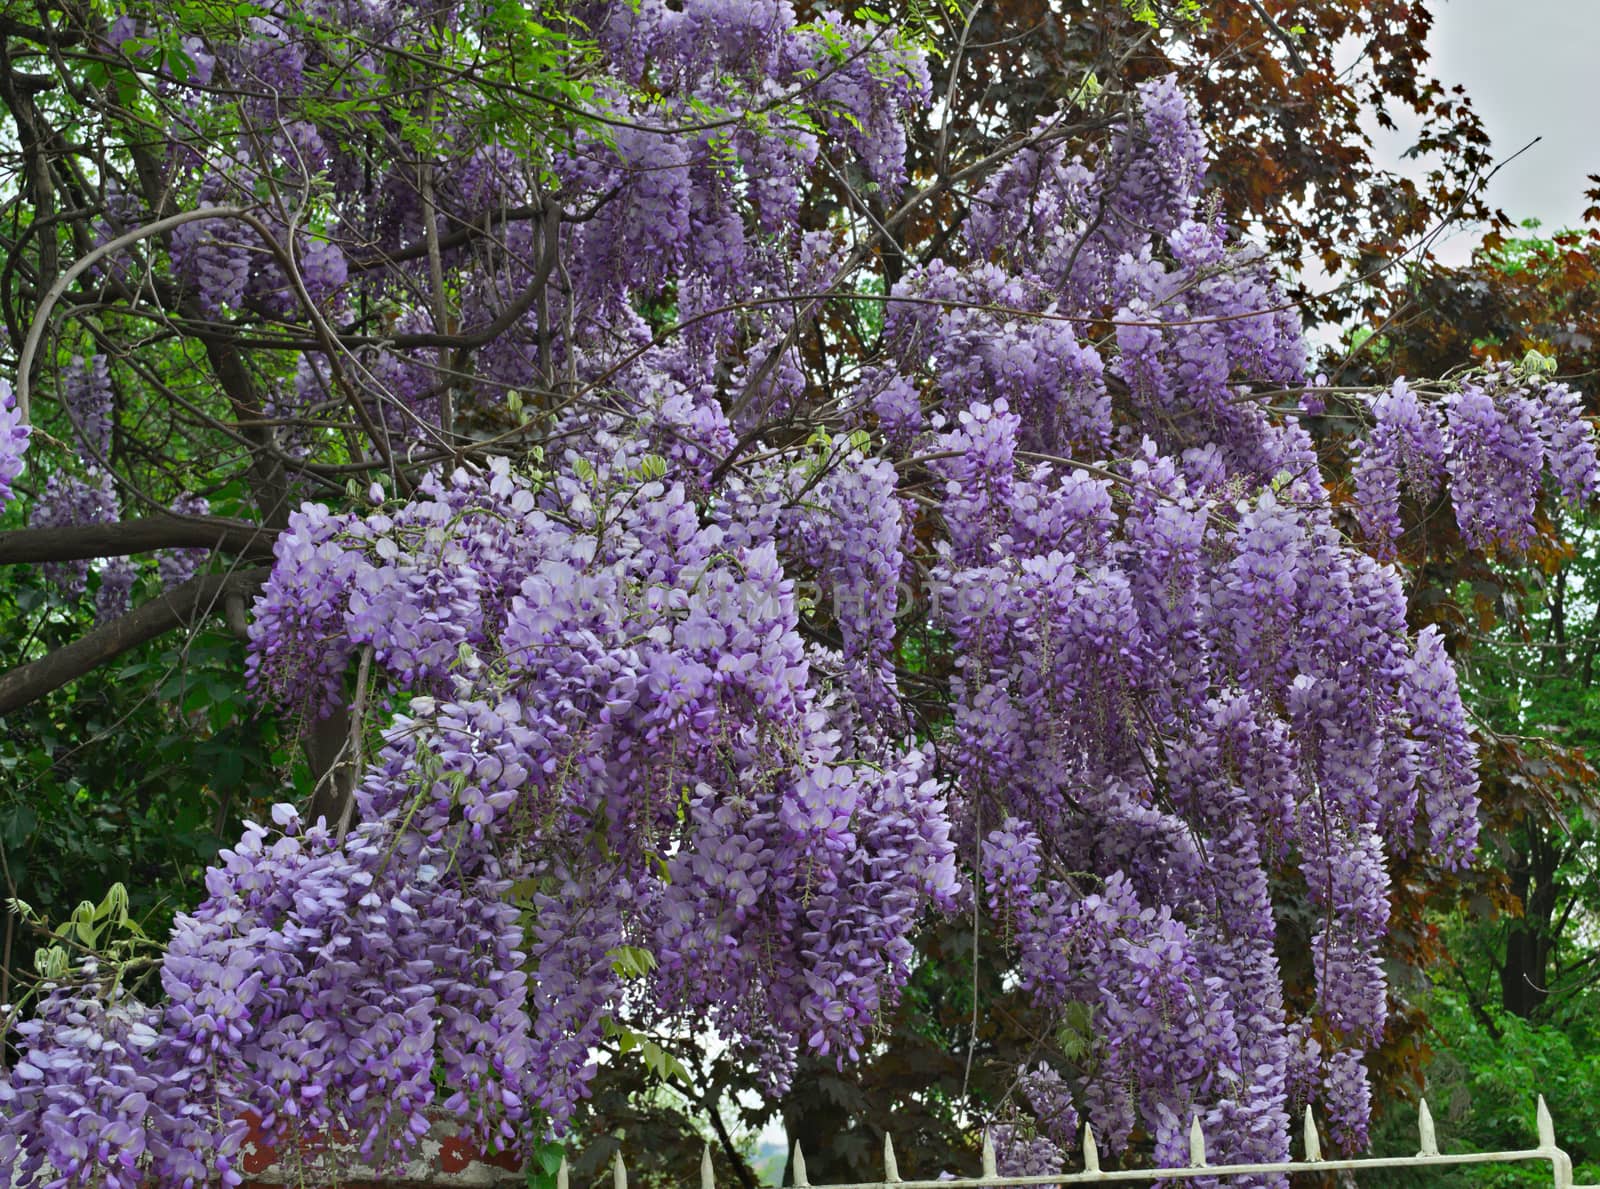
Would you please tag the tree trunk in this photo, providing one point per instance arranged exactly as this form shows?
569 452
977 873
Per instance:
816 1115
1524 975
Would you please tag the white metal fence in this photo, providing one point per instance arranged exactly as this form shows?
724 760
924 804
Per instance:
1428 1156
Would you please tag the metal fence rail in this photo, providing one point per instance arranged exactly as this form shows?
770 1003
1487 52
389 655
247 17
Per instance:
1428 1156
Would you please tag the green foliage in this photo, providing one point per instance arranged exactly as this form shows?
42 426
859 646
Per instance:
1159 15
105 929
544 1163
1076 1036
630 961
869 315
128 778
1488 1070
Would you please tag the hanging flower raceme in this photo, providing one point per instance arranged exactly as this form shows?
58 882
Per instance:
1175 682
13 441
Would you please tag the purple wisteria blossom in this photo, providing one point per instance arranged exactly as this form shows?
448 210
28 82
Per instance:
13 441
646 743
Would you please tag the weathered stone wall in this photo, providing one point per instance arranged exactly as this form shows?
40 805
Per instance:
444 1160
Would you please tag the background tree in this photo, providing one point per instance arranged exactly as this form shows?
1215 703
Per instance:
1287 93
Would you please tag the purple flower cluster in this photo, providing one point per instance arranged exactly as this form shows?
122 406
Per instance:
1499 432
179 565
115 593
1445 757
848 527
1569 442
213 256
1020 1152
325 984
1051 1101
299 648
864 95
1035 364
13 441
86 396
1495 459
68 500
620 700
1198 320
1170 670
97 1101
1347 1098
319 264
1492 440
1404 454
716 114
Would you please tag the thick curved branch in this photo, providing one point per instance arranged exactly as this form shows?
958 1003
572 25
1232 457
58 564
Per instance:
238 537
182 605
59 286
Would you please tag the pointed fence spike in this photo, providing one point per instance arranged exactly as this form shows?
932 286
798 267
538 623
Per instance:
891 1167
707 1178
989 1172
1430 1142
619 1174
799 1165
1197 1145
1313 1146
562 1174
1091 1153
1547 1129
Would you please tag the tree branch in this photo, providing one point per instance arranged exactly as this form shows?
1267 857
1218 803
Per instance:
1285 38
742 1170
1476 1004
143 535
26 358
178 607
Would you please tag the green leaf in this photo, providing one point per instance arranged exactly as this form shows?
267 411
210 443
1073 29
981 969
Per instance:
83 924
662 1063
114 907
545 1164
52 962
17 826
1076 1034
1536 363
23 909
629 961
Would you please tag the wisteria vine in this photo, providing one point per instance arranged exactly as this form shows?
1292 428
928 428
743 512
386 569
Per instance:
617 773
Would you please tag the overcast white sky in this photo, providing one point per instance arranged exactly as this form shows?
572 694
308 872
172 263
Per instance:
1531 68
